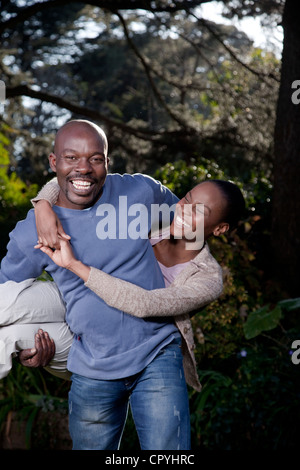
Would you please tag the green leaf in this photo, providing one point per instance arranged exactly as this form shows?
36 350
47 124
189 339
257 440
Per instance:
290 304
262 320
29 426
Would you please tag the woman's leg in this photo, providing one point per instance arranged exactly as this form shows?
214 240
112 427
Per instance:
63 339
30 301
25 307
16 337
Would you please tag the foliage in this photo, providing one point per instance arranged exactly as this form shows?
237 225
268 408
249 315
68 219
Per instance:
255 406
30 393
180 177
265 319
15 194
164 86
251 390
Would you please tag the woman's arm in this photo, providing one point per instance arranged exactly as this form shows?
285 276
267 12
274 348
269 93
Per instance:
49 193
170 301
202 288
48 225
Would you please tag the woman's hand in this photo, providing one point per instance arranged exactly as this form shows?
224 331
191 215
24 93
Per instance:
64 257
49 228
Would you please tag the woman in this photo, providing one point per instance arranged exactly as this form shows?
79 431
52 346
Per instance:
192 276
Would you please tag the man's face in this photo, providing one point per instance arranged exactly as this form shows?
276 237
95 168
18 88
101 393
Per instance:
80 163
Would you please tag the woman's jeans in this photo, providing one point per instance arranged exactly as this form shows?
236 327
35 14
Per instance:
158 399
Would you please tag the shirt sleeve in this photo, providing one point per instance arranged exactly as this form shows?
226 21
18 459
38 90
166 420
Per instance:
16 265
174 300
162 201
49 192
161 194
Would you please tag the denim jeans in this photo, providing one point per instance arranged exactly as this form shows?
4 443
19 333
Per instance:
158 399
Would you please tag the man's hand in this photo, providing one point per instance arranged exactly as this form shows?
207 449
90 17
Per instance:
63 256
42 354
48 225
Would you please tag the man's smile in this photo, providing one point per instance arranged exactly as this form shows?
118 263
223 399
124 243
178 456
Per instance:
81 186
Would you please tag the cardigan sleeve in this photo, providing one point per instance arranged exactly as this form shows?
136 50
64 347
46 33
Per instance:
199 290
49 192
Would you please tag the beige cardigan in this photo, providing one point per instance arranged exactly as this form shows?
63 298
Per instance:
198 284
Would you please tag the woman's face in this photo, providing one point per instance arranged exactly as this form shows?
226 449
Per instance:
199 211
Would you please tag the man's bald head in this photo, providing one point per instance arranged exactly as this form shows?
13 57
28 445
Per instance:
80 126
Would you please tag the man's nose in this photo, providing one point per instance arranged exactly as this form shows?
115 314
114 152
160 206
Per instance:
84 165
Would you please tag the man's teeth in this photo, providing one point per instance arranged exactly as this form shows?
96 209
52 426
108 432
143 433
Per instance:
81 184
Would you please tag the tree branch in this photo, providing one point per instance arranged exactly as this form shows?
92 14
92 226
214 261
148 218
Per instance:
159 6
148 70
261 75
139 132
24 90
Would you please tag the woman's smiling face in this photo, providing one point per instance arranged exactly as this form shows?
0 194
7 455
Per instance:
204 204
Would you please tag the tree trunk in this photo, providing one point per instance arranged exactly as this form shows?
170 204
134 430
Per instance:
286 200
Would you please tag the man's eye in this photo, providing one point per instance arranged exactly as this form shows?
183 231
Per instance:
97 160
70 157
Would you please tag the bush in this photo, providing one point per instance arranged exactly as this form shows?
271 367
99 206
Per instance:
15 195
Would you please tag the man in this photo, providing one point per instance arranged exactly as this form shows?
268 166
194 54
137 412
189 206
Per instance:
114 357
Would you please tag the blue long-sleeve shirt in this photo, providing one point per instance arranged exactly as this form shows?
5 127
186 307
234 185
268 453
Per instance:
108 343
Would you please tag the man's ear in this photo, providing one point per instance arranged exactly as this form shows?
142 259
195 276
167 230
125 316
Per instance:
52 161
221 228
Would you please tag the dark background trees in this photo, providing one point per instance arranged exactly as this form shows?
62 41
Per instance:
165 86
182 98
286 171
